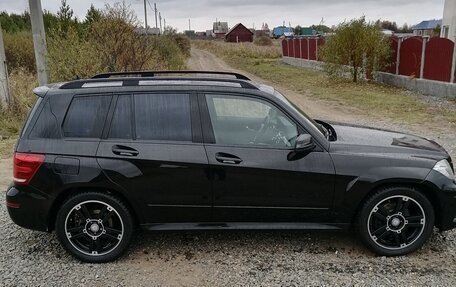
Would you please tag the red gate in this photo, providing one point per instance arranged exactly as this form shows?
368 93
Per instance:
393 59
297 49
438 59
285 48
312 49
304 50
410 59
290 48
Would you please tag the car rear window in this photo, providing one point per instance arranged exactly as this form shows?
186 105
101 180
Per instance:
86 116
163 117
46 125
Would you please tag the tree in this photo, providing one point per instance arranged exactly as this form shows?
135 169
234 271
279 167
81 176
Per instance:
115 39
358 47
65 18
322 28
92 15
405 29
436 31
297 30
385 24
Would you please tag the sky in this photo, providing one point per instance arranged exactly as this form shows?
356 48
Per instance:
255 12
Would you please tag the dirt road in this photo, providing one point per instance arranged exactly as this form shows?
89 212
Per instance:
231 258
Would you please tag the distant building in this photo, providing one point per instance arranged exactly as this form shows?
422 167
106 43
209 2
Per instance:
219 29
308 31
387 32
239 33
280 31
426 28
189 33
200 35
149 31
449 20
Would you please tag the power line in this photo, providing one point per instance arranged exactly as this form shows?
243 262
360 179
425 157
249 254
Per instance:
155 11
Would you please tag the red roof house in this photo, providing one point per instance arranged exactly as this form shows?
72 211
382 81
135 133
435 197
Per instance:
239 33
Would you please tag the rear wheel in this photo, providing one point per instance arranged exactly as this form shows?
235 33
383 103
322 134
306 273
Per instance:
94 227
396 221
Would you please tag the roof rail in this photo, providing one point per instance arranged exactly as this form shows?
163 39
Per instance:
135 81
154 73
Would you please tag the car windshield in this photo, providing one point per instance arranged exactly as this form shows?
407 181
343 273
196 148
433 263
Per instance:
303 115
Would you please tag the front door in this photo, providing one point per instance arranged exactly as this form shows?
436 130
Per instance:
253 180
153 151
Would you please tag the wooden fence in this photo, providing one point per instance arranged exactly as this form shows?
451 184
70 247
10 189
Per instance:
425 58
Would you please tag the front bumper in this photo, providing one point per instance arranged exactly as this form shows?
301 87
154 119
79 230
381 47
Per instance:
28 207
444 199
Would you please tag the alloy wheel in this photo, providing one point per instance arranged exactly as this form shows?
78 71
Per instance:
94 228
396 222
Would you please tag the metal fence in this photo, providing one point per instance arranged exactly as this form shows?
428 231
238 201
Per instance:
418 57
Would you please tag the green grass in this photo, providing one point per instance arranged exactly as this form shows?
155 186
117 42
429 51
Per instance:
371 98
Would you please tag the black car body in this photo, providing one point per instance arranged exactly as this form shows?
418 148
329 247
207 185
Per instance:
203 152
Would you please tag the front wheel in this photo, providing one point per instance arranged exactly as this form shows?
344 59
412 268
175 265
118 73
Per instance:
94 227
396 221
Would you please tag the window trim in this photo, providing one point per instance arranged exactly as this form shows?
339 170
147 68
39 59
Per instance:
102 124
208 130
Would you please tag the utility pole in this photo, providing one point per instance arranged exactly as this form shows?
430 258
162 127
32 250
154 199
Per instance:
145 16
4 87
155 11
189 28
164 24
160 16
39 40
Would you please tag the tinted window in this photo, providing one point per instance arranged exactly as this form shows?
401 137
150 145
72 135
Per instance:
249 121
163 117
46 126
86 117
121 121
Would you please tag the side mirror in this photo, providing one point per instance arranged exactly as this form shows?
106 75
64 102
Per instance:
304 142
303 146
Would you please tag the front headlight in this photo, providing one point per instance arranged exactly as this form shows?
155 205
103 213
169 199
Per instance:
444 168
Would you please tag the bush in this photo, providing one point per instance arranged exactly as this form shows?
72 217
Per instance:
21 85
184 44
71 57
263 41
360 46
168 55
19 51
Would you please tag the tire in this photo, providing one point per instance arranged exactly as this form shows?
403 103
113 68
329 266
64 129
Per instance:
94 227
395 221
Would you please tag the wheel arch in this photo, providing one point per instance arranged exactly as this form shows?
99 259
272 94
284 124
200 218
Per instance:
65 194
425 190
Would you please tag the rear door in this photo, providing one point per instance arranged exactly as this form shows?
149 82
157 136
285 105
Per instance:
248 143
153 149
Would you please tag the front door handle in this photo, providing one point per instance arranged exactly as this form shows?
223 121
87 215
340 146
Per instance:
124 150
227 158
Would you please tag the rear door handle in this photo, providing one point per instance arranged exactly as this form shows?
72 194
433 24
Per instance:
124 150
227 158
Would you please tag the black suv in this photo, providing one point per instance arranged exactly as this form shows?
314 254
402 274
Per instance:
212 150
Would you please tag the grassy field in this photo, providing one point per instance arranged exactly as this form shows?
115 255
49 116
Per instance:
372 98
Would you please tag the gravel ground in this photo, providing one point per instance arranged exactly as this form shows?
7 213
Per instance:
233 258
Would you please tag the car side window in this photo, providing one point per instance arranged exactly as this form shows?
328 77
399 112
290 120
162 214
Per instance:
86 116
163 117
121 127
238 120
